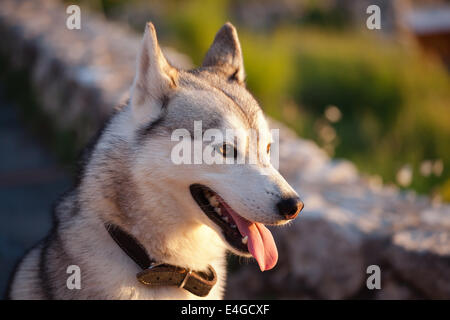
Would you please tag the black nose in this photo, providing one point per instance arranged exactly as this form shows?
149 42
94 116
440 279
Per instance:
289 208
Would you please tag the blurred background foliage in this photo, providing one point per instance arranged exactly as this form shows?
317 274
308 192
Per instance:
369 96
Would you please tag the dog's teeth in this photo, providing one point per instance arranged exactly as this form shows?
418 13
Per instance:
218 211
213 201
245 240
225 219
233 226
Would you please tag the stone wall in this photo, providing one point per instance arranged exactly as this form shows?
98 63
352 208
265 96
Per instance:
348 222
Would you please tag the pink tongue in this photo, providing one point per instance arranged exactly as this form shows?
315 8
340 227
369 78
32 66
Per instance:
260 241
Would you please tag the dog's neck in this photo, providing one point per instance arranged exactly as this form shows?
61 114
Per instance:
111 269
165 231
155 274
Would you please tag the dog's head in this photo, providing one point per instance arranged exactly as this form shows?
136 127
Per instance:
189 115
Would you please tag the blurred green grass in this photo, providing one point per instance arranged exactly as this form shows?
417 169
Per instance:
393 99
394 102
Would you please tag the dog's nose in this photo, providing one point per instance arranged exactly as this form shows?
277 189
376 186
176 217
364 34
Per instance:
289 208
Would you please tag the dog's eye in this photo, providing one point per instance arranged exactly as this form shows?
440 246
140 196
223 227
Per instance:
228 151
268 148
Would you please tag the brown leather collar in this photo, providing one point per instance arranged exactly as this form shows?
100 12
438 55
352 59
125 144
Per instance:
161 274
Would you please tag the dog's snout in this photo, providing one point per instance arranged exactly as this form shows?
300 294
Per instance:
289 208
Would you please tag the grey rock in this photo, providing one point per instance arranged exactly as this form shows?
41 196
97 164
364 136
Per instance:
421 258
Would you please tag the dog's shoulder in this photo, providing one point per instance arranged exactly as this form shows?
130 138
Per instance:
26 282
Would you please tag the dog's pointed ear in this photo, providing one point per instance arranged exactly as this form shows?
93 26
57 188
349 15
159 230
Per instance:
225 54
154 80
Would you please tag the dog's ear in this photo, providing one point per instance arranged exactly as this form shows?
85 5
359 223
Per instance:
225 54
155 78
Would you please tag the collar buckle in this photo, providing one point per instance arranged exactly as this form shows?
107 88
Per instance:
186 278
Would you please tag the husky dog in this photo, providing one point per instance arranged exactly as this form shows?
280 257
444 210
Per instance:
133 204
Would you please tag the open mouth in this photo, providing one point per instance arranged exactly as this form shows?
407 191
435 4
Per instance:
241 234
